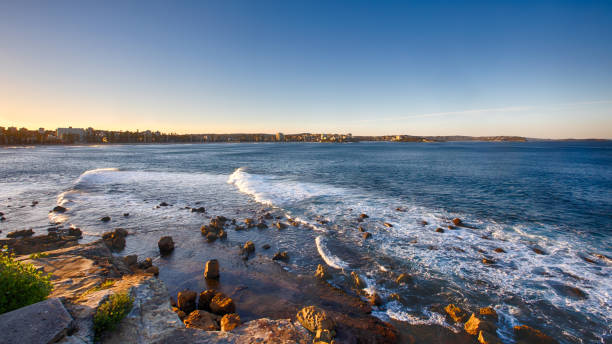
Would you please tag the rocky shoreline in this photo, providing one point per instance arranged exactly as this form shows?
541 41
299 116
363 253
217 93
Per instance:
297 308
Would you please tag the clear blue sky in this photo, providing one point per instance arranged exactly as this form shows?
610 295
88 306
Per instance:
529 68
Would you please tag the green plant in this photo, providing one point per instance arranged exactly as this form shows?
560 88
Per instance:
104 285
38 255
21 284
111 312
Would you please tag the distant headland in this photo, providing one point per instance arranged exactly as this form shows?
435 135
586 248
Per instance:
70 135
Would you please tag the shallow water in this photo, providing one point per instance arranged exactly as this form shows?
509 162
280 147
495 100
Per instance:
553 196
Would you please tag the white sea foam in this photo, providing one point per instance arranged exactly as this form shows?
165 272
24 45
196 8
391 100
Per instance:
327 256
275 191
395 310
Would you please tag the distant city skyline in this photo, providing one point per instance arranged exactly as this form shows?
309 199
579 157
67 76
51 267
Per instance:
515 68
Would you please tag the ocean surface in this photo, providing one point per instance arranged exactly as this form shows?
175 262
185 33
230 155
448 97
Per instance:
551 197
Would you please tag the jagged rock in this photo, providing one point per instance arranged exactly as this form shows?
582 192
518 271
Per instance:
499 250
451 227
20 233
366 235
211 270
488 313
222 304
59 209
357 281
43 322
280 225
201 320
249 222
230 322
198 210
186 301
222 234
457 221
126 214
205 297
363 216
397 297
321 272
262 225
284 256
488 338
361 229
440 230
455 313
387 224
314 318
475 324
403 278
105 218
529 335
166 245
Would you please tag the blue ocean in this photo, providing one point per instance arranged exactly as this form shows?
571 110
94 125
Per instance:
539 213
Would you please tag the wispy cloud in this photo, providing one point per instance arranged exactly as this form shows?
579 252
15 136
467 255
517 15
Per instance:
550 107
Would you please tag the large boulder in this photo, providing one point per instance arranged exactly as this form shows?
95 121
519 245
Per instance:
230 322
43 322
211 270
222 304
314 318
528 335
166 245
186 301
201 320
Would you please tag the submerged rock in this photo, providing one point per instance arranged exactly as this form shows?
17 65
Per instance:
487 261
499 250
211 270
198 210
440 230
375 299
457 221
166 245
280 225
105 218
363 216
366 235
201 320
529 335
387 224
131 260
186 301
230 322
266 247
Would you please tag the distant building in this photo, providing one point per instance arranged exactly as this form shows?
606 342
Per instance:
280 137
71 134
